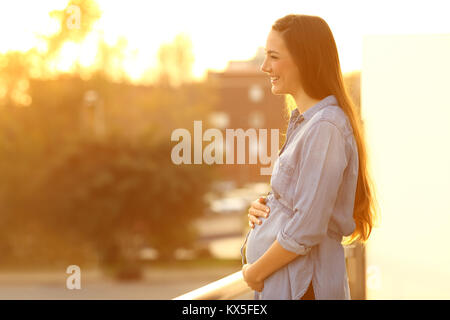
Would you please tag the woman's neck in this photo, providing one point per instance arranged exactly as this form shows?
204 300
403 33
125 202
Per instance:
303 101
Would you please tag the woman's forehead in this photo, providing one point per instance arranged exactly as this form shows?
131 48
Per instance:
274 43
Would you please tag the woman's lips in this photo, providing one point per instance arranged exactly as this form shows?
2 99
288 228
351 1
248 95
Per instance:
274 79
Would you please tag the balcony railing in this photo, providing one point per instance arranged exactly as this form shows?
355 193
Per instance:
233 285
226 288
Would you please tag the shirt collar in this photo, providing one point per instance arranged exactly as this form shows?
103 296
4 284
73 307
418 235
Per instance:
308 114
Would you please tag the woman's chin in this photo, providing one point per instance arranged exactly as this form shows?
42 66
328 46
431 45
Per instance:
277 90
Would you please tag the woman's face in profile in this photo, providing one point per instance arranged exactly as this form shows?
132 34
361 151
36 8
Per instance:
279 65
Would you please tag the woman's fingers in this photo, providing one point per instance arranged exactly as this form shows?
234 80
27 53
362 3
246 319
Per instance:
259 209
259 286
253 219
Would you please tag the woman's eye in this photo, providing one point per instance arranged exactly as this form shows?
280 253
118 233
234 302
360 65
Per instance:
273 57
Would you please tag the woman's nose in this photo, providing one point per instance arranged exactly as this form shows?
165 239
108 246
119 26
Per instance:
264 68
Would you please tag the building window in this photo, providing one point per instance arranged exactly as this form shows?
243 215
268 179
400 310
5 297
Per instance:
255 93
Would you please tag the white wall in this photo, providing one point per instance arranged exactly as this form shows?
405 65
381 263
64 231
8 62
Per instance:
405 99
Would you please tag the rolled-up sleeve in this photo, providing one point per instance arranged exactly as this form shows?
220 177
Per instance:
322 164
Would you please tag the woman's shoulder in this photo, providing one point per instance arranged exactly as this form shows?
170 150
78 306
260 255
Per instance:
336 116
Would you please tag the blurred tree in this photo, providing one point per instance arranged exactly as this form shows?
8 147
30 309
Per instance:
106 194
75 22
64 195
175 61
15 69
109 60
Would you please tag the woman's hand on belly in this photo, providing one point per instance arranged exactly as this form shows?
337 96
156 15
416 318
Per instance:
257 209
251 282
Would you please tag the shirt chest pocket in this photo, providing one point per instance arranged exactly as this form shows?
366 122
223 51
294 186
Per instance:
282 180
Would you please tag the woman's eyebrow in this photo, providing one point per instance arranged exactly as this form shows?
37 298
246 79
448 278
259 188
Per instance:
271 51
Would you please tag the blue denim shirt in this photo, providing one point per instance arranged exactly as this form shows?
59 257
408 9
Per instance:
311 205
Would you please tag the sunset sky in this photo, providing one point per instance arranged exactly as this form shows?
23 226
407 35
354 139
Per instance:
403 100
220 30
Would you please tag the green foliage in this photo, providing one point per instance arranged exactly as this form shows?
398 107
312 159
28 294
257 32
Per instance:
68 193
103 190
103 195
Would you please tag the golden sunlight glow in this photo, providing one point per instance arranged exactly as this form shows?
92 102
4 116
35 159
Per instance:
220 31
66 129
406 112
68 56
21 21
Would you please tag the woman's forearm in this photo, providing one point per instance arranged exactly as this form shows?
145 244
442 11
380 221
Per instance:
273 259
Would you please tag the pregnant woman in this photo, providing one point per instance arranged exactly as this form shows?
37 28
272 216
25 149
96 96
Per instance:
321 189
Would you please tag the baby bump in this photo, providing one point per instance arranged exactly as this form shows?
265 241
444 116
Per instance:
262 236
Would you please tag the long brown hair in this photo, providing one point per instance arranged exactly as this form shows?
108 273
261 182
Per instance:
312 46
